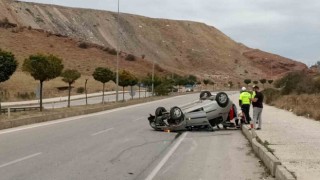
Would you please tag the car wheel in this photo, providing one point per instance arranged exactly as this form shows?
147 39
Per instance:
176 113
205 94
222 99
160 111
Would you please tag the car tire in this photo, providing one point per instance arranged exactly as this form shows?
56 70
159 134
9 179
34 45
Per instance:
160 111
222 99
176 113
205 94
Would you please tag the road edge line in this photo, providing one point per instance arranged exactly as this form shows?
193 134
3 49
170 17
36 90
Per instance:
155 171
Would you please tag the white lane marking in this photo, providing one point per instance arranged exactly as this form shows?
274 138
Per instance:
19 160
166 157
138 119
79 117
100 132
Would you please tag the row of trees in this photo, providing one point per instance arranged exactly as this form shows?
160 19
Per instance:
47 67
44 68
165 85
230 84
262 81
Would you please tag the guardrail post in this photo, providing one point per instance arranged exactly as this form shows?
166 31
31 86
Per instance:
9 112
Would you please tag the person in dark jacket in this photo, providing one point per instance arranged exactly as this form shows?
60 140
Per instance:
257 103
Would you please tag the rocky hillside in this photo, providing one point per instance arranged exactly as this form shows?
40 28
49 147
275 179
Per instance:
181 47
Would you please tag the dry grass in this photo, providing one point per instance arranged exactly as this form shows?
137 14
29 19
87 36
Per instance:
302 105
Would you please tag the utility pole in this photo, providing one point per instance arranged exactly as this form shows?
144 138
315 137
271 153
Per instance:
85 89
152 87
118 51
172 81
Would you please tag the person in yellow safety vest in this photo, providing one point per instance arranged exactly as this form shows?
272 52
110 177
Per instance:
244 103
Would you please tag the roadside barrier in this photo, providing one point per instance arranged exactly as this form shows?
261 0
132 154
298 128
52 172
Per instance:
269 160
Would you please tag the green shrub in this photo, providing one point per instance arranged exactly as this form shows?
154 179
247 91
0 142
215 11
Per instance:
163 89
80 90
26 95
112 51
4 95
4 23
270 95
107 49
296 82
39 19
130 57
29 11
83 45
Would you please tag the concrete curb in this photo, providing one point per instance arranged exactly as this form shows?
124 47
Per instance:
283 174
268 159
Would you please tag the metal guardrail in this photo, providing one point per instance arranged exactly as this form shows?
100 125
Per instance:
18 109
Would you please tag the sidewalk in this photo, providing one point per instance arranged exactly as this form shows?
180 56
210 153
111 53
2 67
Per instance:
295 141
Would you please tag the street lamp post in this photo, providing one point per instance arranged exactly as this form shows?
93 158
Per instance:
118 51
152 87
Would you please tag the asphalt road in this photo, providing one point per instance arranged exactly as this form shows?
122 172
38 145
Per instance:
93 100
119 144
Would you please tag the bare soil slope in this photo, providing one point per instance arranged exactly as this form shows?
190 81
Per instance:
24 42
181 47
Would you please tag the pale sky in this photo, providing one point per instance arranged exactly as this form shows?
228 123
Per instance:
290 28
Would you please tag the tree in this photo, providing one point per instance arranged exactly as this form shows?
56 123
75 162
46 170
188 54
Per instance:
239 85
206 82
230 84
125 79
147 81
133 82
247 82
270 81
255 82
212 84
8 65
263 81
179 81
86 91
192 80
43 68
164 88
103 75
70 76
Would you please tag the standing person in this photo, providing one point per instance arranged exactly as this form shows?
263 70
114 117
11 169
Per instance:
244 103
257 103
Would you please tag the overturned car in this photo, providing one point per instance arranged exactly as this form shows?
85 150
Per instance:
207 112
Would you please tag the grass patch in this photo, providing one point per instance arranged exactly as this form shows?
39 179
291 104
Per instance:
306 105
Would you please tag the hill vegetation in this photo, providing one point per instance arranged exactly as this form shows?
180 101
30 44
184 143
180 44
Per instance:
298 92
